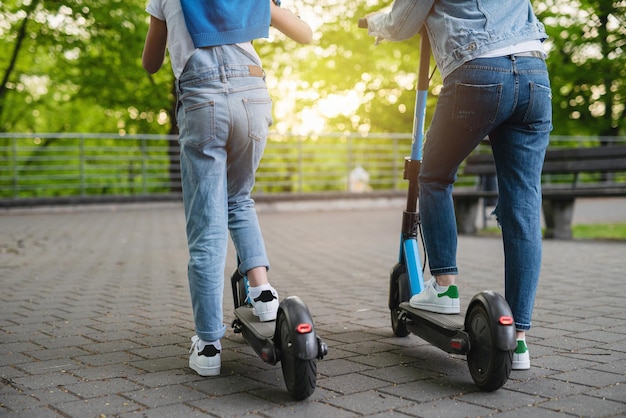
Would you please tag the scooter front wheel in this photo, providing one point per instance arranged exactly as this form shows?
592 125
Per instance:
300 375
398 288
489 366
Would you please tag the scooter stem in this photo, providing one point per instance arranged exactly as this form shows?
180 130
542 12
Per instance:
412 165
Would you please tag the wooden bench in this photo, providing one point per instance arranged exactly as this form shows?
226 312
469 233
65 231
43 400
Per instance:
568 174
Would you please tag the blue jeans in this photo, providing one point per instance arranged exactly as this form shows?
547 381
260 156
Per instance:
224 114
509 100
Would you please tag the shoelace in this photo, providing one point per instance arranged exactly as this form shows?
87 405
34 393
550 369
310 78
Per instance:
194 343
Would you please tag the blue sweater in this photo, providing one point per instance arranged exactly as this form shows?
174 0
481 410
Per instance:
224 22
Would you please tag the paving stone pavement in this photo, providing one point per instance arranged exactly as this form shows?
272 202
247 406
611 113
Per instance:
95 321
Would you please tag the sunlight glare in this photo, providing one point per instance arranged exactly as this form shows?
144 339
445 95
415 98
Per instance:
335 105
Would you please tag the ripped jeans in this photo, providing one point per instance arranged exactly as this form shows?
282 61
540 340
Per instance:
508 99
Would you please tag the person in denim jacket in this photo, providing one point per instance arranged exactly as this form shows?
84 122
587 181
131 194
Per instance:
224 113
495 84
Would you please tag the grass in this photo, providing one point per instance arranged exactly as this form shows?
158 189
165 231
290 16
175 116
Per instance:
593 231
600 231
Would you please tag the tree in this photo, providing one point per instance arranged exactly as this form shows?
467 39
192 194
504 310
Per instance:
76 66
587 65
342 82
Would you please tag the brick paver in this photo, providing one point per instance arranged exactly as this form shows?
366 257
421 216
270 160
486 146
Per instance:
95 320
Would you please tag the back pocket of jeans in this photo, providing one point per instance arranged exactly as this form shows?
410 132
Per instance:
200 123
476 106
259 113
538 116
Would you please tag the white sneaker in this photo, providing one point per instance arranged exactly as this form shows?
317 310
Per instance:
206 362
521 356
439 302
265 306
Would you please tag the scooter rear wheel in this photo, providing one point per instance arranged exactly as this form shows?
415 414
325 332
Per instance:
300 375
489 366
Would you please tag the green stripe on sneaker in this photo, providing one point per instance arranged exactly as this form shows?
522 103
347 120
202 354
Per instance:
521 347
452 292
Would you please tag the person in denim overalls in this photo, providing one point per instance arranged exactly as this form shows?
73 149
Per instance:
496 84
224 113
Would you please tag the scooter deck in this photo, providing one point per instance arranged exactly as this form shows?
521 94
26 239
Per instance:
444 331
453 322
261 330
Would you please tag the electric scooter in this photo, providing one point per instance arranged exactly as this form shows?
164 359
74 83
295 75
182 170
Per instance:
290 339
486 334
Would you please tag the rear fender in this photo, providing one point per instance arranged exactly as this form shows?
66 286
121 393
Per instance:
503 329
305 342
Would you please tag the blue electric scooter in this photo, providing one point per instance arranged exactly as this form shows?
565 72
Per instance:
290 339
486 334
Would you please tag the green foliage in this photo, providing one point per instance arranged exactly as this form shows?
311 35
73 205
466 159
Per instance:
587 65
48 166
342 78
75 66
600 231
583 231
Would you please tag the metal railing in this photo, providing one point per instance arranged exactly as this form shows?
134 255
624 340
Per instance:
57 166
49 166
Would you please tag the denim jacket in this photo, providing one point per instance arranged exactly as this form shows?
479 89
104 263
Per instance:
459 30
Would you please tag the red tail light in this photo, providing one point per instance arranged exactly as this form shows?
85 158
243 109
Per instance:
506 320
304 328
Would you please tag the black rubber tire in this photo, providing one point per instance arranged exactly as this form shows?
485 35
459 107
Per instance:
240 294
399 327
300 375
489 366
243 292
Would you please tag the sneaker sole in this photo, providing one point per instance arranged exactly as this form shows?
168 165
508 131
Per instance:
438 309
266 317
520 365
205 371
